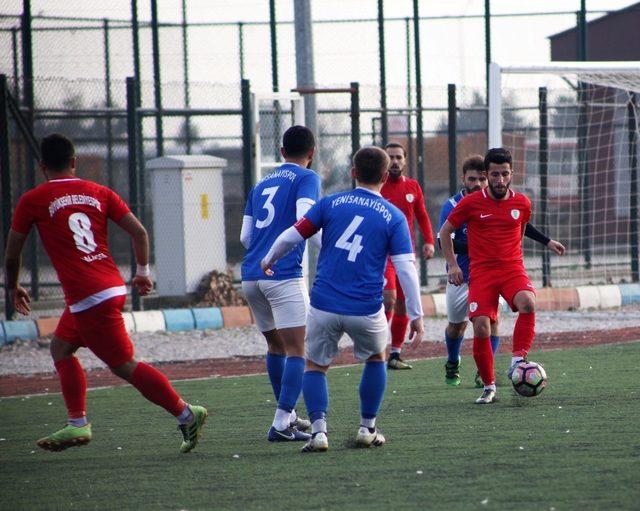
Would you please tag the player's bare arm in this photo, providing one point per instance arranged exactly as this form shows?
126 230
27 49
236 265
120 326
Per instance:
142 279
556 247
12 263
428 250
454 273
408 276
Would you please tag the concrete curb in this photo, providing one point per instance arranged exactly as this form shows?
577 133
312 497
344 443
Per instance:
548 299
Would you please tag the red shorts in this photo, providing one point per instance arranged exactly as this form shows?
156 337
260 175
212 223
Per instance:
486 286
391 282
101 329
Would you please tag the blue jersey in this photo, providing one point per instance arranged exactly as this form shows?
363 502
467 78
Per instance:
460 234
272 206
360 230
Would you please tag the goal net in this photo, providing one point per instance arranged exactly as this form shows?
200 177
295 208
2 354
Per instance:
572 128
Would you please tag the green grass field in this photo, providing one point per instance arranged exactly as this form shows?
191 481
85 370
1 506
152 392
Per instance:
577 446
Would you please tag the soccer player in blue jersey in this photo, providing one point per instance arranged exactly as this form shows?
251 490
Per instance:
279 302
474 178
360 230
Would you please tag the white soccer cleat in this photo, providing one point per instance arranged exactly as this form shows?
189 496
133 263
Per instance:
488 396
366 438
318 443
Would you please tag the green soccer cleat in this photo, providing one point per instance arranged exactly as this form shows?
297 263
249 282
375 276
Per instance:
69 436
395 362
452 373
192 432
478 380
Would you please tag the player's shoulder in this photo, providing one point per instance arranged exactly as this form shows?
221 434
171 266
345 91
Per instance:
521 198
409 182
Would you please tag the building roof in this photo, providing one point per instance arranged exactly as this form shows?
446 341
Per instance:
607 18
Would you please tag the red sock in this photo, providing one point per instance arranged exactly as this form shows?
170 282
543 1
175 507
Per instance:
398 330
156 387
73 383
523 333
483 355
388 314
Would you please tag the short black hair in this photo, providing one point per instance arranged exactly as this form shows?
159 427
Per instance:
370 164
473 162
298 141
56 152
497 155
398 146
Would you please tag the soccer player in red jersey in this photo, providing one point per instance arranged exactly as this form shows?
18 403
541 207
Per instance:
406 194
71 215
496 218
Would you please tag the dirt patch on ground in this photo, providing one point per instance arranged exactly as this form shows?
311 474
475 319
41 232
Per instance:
18 385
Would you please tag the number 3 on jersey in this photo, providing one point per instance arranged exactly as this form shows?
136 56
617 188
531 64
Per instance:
268 205
354 247
80 225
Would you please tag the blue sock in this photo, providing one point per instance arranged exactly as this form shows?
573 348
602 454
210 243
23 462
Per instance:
316 394
453 348
495 343
372 387
291 383
275 368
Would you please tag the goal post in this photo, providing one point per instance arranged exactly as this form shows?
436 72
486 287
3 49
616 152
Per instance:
572 128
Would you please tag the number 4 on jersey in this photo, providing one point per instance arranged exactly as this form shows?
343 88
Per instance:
354 247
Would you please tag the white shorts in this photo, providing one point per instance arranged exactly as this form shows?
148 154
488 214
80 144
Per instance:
324 330
457 303
277 303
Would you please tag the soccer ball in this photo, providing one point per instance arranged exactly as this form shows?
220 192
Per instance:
529 379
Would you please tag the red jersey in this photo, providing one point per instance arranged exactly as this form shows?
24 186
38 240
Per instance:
494 227
71 215
406 194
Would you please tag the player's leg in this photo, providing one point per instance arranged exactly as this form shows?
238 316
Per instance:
324 330
457 305
398 328
369 340
276 353
520 295
73 384
104 333
288 300
483 309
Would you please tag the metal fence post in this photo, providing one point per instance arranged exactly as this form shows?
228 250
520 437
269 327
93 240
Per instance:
132 145
355 121
5 180
135 38
543 158
583 175
14 55
108 102
384 121
410 162
157 85
452 139
632 112
241 48
247 138
487 43
424 278
185 72
28 99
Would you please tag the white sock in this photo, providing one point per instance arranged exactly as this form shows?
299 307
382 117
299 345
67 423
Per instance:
396 350
490 387
186 416
319 426
281 419
78 422
368 423
515 360
293 416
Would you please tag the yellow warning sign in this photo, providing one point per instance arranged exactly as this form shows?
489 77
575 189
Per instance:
204 206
